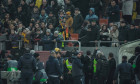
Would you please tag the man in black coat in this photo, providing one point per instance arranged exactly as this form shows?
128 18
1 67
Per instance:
125 72
77 21
77 69
88 68
27 65
136 65
93 33
132 33
53 69
123 31
112 68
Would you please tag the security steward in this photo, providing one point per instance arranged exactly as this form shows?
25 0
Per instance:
11 64
68 71
40 74
27 65
125 72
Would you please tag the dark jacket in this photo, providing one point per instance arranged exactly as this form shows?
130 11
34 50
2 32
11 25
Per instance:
58 39
137 69
27 63
52 20
93 34
77 22
123 33
61 64
77 67
132 34
116 16
69 7
47 42
53 67
112 68
125 70
88 65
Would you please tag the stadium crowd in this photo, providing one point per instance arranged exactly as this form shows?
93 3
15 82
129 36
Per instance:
73 67
45 22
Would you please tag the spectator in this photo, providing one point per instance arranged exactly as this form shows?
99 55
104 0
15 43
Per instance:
91 15
102 68
132 33
61 63
77 20
40 75
11 64
77 66
37 39
25 9
11 8
93 33
57 38
14 39
43 27
27 65
51 27
43 16
114 13
51 19
125 72
104 35
137 62
112 68
88 67
47 40
38 3
20 14
26 34
97 5
55 8
45 6
69 22
53 69
123 29
35 14
114 33
127 10
69 7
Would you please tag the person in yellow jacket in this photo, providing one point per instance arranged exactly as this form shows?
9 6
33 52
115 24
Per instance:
69 21
38 3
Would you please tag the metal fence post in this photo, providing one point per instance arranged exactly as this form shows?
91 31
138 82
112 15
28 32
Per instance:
79 45
37 46
19 44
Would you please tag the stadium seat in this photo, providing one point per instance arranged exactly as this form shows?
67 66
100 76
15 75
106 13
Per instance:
103 21
73 37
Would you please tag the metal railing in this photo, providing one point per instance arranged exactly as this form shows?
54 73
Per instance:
99 42
19 43
73 41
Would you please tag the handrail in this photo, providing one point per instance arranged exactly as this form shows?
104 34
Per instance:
99 42
74 41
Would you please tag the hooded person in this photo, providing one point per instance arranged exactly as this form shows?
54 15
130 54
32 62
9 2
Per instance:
40 75
27 65
91 15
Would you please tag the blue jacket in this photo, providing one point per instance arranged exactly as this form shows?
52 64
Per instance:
92 16
53 67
